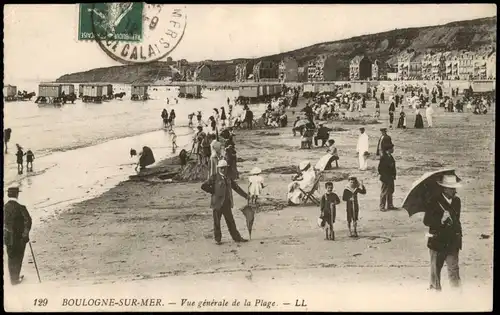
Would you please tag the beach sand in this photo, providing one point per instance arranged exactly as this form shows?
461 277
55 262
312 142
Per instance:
144 230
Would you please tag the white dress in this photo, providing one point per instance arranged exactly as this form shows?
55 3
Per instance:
255 187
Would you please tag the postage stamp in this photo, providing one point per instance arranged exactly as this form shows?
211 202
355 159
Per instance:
162 27
121 21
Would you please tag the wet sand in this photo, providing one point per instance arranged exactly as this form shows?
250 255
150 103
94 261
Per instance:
144 230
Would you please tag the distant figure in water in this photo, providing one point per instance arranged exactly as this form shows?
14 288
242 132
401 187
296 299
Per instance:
228 101
6 137
146 157
19 155
168 101
29 160
174 142
176 101
172 118
164 116
190 122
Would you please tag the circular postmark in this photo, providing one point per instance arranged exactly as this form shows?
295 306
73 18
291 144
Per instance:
132 32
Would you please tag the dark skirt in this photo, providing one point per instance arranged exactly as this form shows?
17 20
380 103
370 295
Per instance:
223 116
419 122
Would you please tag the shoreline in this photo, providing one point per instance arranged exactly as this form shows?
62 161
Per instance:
145 230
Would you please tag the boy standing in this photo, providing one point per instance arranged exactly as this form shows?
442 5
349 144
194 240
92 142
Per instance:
328 204
350 196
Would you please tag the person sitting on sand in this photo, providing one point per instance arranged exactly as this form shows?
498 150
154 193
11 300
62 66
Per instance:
305 180
146 157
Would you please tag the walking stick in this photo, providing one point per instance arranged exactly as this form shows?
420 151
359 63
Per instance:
34 261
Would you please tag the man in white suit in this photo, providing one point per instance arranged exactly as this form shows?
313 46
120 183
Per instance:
362 149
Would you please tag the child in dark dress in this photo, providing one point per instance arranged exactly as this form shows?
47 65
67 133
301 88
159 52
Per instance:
19 156
29 160
328 207
350 196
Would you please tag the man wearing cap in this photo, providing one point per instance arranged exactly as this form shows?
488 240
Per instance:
442 216
387 172
305 180
16 228
322 134
384 142
220 186
362 149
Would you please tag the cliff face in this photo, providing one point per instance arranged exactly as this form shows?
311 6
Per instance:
470 35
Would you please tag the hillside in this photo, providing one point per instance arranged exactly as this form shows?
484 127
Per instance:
471 35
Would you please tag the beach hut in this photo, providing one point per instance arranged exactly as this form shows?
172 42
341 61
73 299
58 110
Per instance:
49 93
67 88
92 93
107 91
359 87
190 91
9 92
139 92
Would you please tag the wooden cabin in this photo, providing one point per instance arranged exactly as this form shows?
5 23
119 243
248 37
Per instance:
68 88
139 92
92 93
9 92
190 91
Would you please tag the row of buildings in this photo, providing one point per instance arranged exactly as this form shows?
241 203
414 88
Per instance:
450 65
409 65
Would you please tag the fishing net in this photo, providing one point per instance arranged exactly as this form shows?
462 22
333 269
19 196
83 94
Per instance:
193 172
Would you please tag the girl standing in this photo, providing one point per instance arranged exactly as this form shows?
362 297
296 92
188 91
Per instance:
255 184
350 196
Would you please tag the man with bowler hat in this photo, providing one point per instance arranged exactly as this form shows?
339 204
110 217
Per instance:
220 185
442 216
384 142
16 229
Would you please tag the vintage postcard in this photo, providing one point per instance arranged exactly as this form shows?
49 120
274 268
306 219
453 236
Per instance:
175 157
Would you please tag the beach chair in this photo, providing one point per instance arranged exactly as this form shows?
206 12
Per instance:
309 195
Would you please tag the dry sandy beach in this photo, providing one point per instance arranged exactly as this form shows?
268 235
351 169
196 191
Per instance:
144 230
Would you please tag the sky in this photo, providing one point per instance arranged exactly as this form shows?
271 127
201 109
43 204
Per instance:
41 42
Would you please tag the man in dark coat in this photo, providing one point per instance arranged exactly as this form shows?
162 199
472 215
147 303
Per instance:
384 142
16 229
387 172
220 186
322 134
442 216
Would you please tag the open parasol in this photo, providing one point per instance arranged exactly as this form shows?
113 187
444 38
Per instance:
249 214
423 189
301 123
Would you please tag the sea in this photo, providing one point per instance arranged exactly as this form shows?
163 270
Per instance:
83 149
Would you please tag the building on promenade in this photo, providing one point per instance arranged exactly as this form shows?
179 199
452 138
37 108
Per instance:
466 65
323 68
288 70
243 70
415 69
265 70
491 66
452 65
360 68
404 59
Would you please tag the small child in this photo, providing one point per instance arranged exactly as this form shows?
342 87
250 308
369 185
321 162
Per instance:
255 184
328 207
350 196
29 160
174 141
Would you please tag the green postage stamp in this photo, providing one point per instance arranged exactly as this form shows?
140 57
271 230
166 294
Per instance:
119 21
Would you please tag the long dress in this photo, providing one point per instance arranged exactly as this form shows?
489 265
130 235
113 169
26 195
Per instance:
231 162
255 185
419 122
294 194
402 120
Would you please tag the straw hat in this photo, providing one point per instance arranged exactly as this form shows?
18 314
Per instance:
450 181
303 165
222 163
255 171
